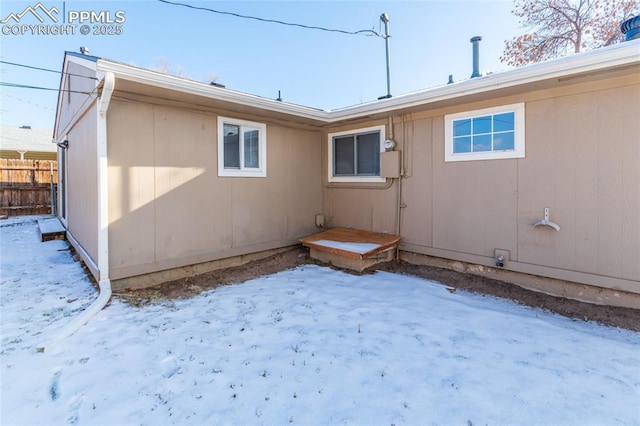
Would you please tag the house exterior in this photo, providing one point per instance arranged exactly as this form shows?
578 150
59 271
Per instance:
26 143
27 170
166 177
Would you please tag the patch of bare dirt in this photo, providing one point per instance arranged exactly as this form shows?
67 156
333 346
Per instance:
608 315
188 287
192 286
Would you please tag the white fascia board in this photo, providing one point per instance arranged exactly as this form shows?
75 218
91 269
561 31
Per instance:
69 57
84 62
626 53
158 79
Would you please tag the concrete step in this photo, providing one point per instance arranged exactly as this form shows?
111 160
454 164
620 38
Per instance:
51 229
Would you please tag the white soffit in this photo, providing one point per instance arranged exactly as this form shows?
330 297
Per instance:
626 53
157 79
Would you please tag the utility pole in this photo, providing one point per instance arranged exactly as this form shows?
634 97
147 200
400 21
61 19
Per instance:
385 19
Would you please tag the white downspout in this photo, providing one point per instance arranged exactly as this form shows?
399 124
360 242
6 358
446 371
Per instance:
104 283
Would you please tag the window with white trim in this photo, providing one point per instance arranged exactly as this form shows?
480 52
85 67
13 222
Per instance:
354 155
242 148
486 134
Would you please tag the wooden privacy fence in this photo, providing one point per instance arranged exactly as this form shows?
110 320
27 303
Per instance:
26 186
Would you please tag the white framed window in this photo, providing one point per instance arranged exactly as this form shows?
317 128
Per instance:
485 134
242 148
354 155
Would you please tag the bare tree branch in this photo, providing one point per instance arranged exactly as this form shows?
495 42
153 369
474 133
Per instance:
560 27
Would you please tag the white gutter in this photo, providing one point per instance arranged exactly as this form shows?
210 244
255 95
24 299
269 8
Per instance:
158 79
104 283
622 54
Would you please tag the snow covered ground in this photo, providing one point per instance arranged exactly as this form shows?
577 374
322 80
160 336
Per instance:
360 248
305 346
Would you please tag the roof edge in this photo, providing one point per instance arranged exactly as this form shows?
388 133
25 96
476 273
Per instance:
622 54
595 60
81 55
158 79
78 58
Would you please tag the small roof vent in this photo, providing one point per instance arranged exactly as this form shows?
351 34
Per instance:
476 56
631 28
84 50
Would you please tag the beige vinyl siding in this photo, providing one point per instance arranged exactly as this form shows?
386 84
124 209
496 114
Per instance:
582 162
132 176
78 81
418 185
584 165
82 183
474 203
359 209
167 206
360 205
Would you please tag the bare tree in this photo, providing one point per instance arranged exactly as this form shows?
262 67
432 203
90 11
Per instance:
165 66
560 27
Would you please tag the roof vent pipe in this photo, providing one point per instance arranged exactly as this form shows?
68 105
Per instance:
476 56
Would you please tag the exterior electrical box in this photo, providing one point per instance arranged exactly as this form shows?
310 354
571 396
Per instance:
390 164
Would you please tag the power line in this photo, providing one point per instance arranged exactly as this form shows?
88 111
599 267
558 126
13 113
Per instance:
275 21
28 102
29 66
24 86
45 69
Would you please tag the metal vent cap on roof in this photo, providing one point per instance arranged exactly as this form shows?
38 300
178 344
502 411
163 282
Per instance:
631 28
475 41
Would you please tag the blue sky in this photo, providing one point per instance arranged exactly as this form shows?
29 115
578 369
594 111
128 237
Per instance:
429 41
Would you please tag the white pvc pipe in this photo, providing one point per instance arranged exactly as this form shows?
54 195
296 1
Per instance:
104 284
80 320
